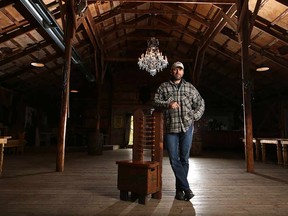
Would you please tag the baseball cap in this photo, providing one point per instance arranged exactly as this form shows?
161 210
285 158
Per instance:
177 64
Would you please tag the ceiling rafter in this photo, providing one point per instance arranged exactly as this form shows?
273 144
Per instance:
179 1
27 68
134 22
190 14
284 2
114 12
20 53
275 31
16 30
122 27
216 27
280 61
5 3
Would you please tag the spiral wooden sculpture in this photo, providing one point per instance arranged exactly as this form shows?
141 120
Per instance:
143 174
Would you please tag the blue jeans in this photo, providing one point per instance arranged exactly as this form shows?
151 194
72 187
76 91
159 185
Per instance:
178 146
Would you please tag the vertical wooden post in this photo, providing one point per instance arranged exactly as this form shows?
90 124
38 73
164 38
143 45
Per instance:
95 141
246 85
1 154
198 66
158 145
95 138
138 126
68 36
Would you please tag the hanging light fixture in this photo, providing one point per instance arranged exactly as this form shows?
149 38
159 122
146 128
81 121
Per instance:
74 91
262 67
37 63
152 61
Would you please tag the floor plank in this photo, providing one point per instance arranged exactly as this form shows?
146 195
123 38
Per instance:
29 185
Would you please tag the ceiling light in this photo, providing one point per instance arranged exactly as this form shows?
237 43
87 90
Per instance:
43 16
37 64
38 9
74 91
152 61
262 68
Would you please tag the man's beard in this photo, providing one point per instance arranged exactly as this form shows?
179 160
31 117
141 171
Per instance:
176 78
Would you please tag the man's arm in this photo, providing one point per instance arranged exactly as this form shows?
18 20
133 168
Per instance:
160 101
198 105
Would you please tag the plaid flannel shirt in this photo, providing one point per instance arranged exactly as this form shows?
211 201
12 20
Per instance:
191 109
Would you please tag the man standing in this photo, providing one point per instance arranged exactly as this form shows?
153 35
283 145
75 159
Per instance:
182 106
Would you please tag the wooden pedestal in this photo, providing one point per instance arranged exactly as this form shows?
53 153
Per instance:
140 178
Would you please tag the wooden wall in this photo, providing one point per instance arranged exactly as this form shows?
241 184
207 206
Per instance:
121 94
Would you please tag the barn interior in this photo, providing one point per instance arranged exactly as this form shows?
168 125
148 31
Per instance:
109 38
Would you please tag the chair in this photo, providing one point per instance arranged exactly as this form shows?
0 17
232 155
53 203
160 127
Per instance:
16 145
139 176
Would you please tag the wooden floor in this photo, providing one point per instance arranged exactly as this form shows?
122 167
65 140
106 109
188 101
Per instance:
30 186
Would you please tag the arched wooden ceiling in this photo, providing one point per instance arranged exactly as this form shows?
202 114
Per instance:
207 30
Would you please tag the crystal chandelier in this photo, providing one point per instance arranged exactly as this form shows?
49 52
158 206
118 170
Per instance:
153 61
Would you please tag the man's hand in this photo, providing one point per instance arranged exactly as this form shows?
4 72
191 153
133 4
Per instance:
174 105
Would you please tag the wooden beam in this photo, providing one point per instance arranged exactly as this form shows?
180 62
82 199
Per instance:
15 30
178 12
134 59
68 37
215 28
272 57
228 54
197 69
166 25
229 21
178 1
186 13
29 69
93 28
20 53
242 15
275 31
62 10
254 16
5 3
284 2
118 45
115 11
246 88
89 33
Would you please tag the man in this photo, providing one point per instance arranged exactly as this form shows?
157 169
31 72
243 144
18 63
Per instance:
182 106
